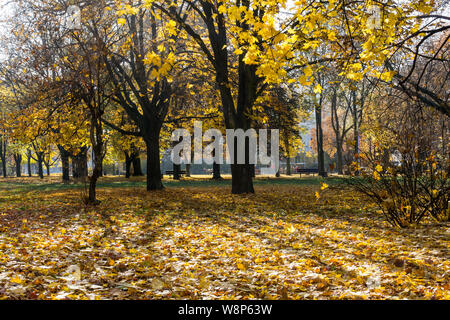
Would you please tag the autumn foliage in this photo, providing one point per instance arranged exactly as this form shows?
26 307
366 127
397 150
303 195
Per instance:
94 89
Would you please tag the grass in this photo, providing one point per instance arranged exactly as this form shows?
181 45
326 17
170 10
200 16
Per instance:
34 184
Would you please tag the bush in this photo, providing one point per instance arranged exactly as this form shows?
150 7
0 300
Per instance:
408 193
408 177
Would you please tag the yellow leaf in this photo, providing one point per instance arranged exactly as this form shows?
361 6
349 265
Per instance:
16 280
240 266
291 229
376 176
318 89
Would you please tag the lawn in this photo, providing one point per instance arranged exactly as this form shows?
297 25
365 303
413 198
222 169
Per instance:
194 240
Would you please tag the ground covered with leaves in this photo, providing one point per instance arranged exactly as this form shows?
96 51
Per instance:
200 242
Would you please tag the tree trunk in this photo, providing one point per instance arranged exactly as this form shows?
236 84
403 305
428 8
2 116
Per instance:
242 181
242 174
288 166
96 173
3 156
96 137
29 162
176 172
102 172
40 161
18 161
356 130
288 155
65 164
319 136
137 168
340 158
79 164
153 163
386 158
216 171
4 168
127 166
47 165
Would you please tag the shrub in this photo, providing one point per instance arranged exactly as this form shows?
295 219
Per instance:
407 175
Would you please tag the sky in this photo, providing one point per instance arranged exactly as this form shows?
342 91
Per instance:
5 12
5 9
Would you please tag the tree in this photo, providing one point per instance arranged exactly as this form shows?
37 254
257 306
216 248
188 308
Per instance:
3 145
90 85
141 66
228 40
339 123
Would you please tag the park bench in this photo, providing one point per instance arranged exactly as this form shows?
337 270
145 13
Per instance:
171 172
307 171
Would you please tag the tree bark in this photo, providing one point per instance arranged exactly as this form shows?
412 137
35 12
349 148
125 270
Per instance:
65 164
319 136
216 171
176 172
153 163
4 168
18 161
29 162
96 137
288 155
356 131
340 158
40 161
127 165
96 172
5 173
79 164
242 181
3 145
102 172
137 168
288 166
242 174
